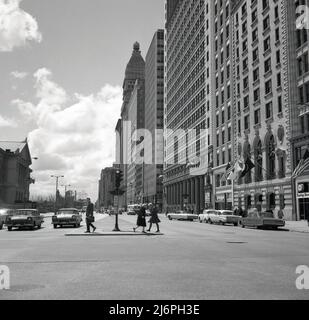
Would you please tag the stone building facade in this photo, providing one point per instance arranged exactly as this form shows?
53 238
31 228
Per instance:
15 173
264 102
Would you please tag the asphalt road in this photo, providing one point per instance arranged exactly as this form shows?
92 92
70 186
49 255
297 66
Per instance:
188 261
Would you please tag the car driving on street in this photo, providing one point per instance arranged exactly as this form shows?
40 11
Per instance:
24 218
67 217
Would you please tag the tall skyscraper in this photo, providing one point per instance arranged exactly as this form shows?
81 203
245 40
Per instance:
154 107
185 105
132 111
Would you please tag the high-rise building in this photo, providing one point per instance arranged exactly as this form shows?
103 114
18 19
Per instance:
185 105
133 82
106 185
154 108
135 166
300 129
264 102
219 119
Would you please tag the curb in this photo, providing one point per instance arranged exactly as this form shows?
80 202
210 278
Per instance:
113 234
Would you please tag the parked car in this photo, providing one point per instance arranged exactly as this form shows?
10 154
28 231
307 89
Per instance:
24 218
255 219
228 217
131 213
204 217
4 213
67 217
182 215
213 217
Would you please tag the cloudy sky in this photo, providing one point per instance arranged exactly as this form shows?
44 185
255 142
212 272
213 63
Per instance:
62 64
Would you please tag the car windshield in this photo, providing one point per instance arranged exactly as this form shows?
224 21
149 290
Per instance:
67 212
227 213
24 213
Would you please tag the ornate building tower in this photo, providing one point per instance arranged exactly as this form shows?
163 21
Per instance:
135 71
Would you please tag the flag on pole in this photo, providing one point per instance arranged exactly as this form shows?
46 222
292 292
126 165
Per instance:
236 169
302 166
228 171
248 167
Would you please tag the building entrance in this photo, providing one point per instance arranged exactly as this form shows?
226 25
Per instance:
304 209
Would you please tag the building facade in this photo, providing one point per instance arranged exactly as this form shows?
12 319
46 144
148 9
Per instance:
264 102
300 139
219 120
154 108
15 173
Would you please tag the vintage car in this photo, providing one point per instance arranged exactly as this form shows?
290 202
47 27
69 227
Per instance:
204 217
67 217
260 220
182 215
4 213
228 217
24 218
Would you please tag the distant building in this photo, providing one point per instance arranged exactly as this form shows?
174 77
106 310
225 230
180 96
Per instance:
106 185
15 179
154 119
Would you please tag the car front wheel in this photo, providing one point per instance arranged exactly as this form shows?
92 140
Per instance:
1 226
55 226
9 228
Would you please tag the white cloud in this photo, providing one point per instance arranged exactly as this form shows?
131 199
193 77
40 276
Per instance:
17 27
19 75
75 135
4 122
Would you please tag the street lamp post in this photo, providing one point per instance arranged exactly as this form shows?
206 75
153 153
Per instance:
57 184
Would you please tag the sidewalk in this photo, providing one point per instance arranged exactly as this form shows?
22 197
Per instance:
105 225
297 226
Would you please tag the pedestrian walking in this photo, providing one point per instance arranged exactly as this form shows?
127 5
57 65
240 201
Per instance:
280 214
89 216
154 219
141 219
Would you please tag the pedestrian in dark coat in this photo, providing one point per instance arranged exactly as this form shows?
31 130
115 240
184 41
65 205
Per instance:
90 216
154 218
141 219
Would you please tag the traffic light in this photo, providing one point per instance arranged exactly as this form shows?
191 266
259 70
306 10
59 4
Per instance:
119 178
